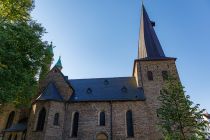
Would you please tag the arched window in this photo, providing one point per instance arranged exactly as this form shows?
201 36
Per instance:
102 119
10 119
41 120
15 137
10 137
23 136
56 119
129 122
75 124
150 75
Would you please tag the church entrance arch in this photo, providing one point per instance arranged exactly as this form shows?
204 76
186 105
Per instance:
101 136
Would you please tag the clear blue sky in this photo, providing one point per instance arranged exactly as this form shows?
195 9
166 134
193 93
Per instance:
99 38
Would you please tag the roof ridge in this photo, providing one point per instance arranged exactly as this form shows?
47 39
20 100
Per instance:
103 78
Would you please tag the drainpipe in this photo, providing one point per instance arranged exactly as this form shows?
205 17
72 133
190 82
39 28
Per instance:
65 111
111 120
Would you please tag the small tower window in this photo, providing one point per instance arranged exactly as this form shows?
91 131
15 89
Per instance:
165 75
10 119
75 125
23 136
41 120
56 119
129 122
150 76
102 119
10 137
15 137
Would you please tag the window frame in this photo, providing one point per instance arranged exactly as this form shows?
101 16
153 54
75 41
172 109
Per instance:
102 118
150 76
16 137
10 137
41 119
75 125
129 124
56 119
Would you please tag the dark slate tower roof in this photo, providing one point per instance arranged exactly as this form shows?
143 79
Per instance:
149 45
50 93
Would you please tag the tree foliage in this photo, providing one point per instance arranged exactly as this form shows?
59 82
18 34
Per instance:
15 10
24 56
179 118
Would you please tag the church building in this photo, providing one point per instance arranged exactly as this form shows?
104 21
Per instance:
121 108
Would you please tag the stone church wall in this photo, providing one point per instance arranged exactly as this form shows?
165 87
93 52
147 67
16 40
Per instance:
152 88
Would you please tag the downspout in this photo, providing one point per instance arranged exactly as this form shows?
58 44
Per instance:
111 120
65 109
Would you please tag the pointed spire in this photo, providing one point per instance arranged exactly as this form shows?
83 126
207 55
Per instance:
149 45
50 48
59 64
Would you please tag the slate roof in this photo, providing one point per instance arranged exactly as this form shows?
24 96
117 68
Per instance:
50 93
149 45
19 127
106 89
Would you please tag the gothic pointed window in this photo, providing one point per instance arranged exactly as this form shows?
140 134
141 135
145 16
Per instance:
129 122
165 75
102 119
75 124
10 137
41 120
10 119
23 137
15 137
56 119
150 75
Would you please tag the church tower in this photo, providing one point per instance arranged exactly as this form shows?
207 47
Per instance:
152 68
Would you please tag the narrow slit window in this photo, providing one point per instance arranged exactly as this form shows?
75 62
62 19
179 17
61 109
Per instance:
129 122
56 119
15 137
150 76
10 137
23 136
75 124
102 119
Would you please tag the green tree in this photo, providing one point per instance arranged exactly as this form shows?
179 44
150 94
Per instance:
179 118
24 56
15 10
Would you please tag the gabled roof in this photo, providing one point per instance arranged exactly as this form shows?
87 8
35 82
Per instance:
19 127
106 89
50 93
149 45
